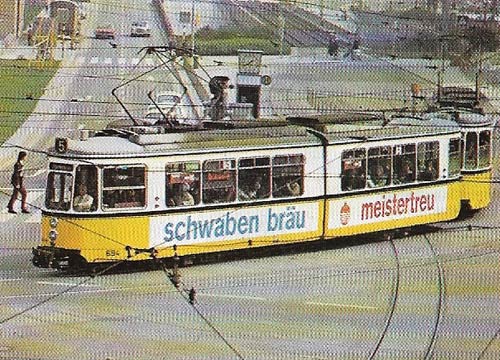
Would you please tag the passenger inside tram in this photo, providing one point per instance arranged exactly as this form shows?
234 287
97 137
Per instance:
405 174
293 188
378 176
181 195
353 178
429 172
83 201
250 191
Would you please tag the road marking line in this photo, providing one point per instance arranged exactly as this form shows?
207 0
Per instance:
73 292
94 60
122 61
6 280
342 305
64 284
108 61
134 61
234 296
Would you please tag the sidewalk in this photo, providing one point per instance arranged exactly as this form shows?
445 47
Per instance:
17 52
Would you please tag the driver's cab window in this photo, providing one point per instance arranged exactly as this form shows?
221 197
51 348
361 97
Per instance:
59 187
85 194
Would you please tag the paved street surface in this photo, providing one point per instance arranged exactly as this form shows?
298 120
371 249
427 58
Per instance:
433 295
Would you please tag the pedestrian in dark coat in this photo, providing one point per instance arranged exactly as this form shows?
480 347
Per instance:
17 182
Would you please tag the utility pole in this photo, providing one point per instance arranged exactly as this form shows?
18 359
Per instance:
479 75
282 28
445 16
192 26
322 11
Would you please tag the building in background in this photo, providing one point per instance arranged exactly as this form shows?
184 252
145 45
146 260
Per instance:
11 18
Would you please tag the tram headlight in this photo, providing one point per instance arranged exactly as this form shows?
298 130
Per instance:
52 235
53 223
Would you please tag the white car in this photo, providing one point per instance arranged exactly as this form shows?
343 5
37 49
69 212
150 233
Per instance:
152 117
140 28
170 104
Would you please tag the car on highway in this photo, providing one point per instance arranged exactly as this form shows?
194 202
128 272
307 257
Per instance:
104 32
170 104
140 29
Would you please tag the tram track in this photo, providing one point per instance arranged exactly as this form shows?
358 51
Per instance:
430 347
440 303
394 300
210 289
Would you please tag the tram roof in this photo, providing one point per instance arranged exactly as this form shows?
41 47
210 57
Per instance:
366 127
309 131
388 132
120 143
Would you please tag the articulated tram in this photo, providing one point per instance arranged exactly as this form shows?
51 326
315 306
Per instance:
196 195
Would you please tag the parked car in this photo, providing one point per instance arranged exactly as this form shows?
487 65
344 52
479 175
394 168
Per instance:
140 28
104 32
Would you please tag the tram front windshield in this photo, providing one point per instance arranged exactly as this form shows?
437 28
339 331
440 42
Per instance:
71 190
59 187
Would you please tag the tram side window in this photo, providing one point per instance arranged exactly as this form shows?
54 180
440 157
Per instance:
484 148
428 161
470 151
288 175
353 174
85 196
124 186
379 166
455 157
219 181
59 190
254 177
403 163
183 183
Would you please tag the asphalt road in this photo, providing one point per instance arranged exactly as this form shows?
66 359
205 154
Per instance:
433 295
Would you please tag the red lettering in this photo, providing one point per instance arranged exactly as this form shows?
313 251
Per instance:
377 209
401 206
423 203
394 205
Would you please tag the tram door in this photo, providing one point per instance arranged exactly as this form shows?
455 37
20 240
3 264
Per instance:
249 94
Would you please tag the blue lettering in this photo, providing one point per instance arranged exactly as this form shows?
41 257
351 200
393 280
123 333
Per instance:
301 220
290 218
253 227
205 228
272 221
178 234
219 227
230 224
227 225
168 232
243 225
192 229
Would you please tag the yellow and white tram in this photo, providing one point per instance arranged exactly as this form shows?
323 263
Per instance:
206 193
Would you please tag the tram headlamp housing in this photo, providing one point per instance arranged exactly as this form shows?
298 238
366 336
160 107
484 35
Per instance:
52 235
53 223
